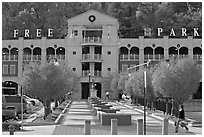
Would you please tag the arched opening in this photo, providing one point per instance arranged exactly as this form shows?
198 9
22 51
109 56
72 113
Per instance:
37 51
173 51
183 51
5 54
134 50
123 50
14 51
14 54
159 50
148 53
50 52
197 53
197 50
26 51
60 52
148 50
9 88
123 53
27 54
37 54
159 53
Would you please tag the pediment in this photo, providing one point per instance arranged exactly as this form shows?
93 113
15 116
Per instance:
92 17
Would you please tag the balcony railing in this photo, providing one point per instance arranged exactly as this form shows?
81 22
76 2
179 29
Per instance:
91 56
58 57
85 73
124 57
10 57
92 39
158 56
176 56
5 57
197 57
148 57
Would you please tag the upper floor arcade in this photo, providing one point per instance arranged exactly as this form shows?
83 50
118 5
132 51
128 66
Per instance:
159 49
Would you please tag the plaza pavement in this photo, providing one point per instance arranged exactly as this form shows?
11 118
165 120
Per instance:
79 111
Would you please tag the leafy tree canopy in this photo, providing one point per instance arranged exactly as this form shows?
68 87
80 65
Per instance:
133 16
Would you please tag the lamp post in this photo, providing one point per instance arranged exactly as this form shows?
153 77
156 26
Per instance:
89 83
145 86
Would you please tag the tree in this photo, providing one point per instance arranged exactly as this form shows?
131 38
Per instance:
47 81
176 79
135 84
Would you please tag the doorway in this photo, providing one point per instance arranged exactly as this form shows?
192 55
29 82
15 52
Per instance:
84 90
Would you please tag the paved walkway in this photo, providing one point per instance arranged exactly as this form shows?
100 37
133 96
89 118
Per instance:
79 111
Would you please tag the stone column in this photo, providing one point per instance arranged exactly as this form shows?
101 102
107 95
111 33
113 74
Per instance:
141 49
166 46
43 47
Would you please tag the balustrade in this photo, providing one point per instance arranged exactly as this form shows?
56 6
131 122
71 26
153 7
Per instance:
92 39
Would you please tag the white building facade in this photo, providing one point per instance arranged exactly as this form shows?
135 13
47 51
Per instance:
92 48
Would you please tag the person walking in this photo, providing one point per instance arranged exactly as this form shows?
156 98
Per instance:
180 120
107 95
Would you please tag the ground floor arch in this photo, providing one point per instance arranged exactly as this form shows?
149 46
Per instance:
85 90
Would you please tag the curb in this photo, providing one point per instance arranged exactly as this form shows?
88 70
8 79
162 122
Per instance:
61 116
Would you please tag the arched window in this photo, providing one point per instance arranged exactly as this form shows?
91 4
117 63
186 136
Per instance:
173 50
50 51
183 51
5 54
197 50
37 51
148 50
14 51
124 50
159 50
26 51
134 50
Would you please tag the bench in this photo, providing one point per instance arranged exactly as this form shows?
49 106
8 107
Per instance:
122 118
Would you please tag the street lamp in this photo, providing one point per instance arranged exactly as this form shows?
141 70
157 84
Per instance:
145 86
89 83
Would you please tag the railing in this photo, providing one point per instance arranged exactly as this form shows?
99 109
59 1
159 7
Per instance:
148 57
125 57
36 57
27 57
5 57
197 57
176 56
92 39
91 56
85 73
58 57
158 56
10 57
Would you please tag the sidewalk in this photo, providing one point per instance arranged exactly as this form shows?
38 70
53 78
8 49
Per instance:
79 111
194 126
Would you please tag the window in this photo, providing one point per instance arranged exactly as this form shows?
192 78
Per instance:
74 32
124 68
109 69
74 69
74 52
5 69
12 69
109 52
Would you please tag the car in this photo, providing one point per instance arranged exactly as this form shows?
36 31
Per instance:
34 102
14 101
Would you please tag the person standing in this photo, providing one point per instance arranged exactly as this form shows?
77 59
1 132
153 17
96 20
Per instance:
180 120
